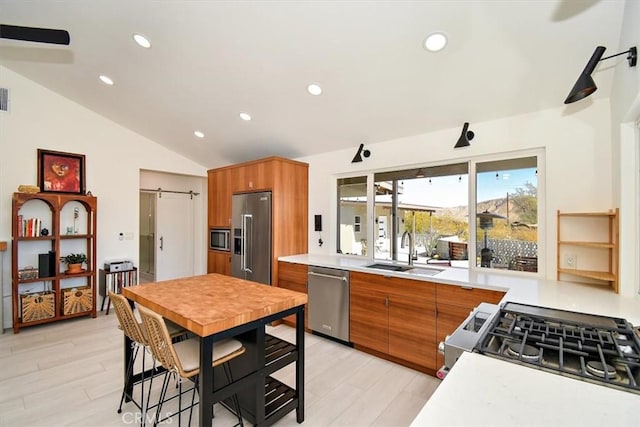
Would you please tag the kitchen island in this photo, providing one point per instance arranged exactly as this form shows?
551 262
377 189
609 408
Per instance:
481 390
215 307
519 287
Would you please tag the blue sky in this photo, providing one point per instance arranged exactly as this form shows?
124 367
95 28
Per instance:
449 191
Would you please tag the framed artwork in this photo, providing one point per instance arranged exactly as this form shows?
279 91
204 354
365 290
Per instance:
60 172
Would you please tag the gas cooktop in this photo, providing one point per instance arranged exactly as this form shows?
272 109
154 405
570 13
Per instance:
598 349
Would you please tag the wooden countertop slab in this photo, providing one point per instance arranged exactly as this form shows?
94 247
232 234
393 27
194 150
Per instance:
213 303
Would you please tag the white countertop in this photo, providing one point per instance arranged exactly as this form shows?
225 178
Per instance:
484 391
520 288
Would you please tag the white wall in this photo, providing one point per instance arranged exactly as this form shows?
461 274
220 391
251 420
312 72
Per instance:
625 135
39 118
575 139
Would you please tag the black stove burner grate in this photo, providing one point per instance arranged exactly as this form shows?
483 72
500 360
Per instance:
574 344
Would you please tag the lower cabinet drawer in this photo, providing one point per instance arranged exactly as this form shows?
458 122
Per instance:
466 297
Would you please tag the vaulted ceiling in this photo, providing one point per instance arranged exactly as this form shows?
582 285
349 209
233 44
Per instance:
211 60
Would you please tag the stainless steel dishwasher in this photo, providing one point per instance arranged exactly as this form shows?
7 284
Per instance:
328 290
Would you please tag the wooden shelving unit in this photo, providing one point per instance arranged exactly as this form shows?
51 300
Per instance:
609 247
56 295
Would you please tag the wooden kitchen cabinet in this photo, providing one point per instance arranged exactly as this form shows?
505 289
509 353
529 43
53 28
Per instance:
253 176
288 181
219 201
454 304
394 317
464 296
294 277
369 316
219 262
412 328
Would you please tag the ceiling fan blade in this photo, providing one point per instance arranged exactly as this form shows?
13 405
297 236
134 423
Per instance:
40 35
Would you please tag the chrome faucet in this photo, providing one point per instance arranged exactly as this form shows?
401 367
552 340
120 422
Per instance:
407 234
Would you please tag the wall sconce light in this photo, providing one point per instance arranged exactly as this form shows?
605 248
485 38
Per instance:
465 137
420 173
585 85
361 152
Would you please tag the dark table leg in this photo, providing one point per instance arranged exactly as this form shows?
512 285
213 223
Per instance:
300 363
259 384
128 355
205 381
128 376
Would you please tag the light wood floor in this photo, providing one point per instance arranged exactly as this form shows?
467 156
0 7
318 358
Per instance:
70 374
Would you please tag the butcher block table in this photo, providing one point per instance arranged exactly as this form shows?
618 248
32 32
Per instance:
216 307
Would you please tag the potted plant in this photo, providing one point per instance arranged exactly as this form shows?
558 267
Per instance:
74 262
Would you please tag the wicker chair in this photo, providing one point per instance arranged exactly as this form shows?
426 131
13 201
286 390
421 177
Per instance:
183 359
134 330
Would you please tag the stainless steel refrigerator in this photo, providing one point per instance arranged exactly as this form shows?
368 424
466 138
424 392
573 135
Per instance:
251 225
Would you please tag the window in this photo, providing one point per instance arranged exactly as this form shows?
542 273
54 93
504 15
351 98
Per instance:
422 213
352 214
507 214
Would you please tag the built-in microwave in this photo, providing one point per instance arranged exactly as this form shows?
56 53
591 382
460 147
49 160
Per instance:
219 239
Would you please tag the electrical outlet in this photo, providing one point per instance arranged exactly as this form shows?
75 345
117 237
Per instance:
571 261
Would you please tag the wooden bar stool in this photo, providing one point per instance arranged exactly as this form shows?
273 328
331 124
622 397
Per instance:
134 330
183 359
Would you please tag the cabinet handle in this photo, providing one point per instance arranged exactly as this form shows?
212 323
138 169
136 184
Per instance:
327 276
161 242
386 302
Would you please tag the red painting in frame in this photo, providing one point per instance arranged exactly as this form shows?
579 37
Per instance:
60 172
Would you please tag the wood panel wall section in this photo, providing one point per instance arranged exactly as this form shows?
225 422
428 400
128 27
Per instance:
288 181
219 197
294 277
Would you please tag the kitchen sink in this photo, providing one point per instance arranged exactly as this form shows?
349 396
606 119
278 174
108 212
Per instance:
421 271
424 271
390 267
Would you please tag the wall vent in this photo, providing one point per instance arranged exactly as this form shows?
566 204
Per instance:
4 99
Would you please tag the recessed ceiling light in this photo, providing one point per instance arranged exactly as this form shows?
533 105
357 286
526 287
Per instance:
245 116
435 42
314 89
142 40
106 80
198 134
